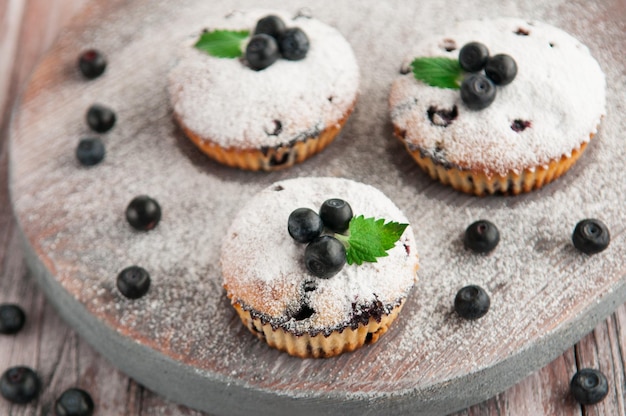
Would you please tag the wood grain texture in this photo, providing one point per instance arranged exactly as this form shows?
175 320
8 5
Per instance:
63 359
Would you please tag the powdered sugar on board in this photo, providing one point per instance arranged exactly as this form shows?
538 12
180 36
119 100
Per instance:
544 294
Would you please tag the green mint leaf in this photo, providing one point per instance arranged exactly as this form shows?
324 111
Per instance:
370 238
222 43
438 72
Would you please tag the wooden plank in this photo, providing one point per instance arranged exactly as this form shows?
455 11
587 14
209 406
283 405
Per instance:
10 22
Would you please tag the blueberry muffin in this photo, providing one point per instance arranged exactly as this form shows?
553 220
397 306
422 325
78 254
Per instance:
282 297
513 135
283 100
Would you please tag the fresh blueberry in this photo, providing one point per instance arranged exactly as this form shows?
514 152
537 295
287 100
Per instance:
74 402
477 91
91 63
19 385
481 236
12 319
270 25
473 56
325 256
100 118
143 213
501 69
589 386
304 225
336 214
471 302
591 236
90 151
133 282
294 44
261 52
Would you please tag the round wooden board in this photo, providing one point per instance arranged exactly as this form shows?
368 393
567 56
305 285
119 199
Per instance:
184 340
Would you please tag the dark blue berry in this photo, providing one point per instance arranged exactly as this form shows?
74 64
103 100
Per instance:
336 214
74 402
477 91
589 386
91 63
133 282
471 302
261 52
304 225
473 56
501 69
90 151
20 385
143 213
12 319
481 236
591 236
325 256
270 25
100 118
294 44
303 313
518 125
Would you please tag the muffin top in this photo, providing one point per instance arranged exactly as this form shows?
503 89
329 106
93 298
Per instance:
264 271
227 102
551 108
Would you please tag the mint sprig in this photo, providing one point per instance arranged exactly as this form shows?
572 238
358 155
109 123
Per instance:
438 71
223 43
370 238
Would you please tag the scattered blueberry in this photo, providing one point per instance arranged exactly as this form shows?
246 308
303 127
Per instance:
294 44
477 91
19 385
589 386
270 25
12 319
501 69
481 236
261 52
304 225
133 282
90 151
325 256
336 214
91 63
74 402
100 118
473 56
143 213
591 236
471 302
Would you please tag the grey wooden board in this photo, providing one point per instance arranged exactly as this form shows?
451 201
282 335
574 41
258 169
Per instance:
184 341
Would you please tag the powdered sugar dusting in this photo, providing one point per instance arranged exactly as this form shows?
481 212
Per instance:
225 101
559 92
540 287
259 253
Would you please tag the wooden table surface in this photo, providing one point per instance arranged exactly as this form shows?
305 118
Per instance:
63 360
